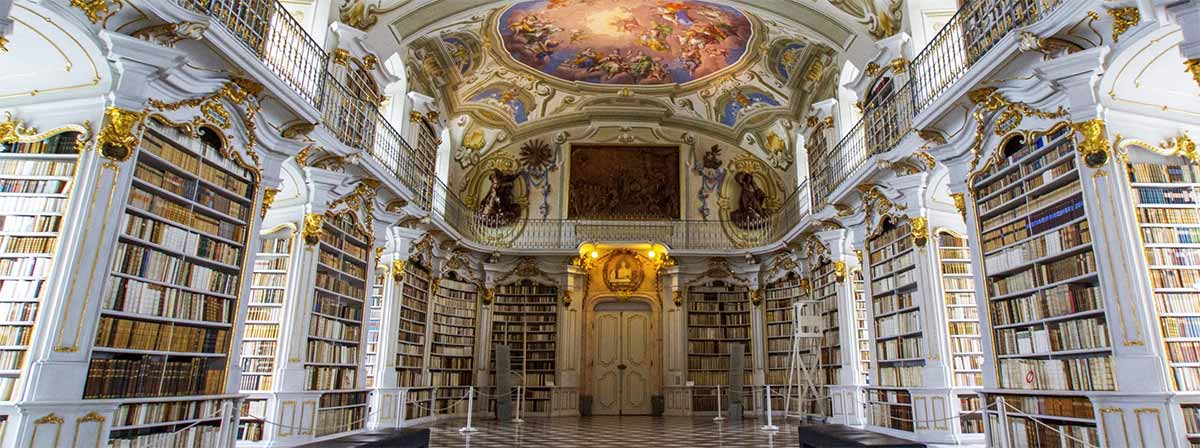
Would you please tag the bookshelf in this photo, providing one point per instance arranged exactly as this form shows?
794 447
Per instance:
862 333
374 317
260 342
412 339
36 179
718 316
452 347
896 316
334 353
1168 215
162 342
1049 334
962 324
525 317
781 296
1191 423
825 292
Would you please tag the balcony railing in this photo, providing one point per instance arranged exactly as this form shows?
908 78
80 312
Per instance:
272 34
568 234
969 35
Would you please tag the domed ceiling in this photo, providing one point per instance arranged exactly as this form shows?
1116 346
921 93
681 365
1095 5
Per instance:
631 42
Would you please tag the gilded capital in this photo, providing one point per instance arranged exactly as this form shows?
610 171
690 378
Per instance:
398 267
268 200
1193 67
312 228
1094 145
118 135
920 231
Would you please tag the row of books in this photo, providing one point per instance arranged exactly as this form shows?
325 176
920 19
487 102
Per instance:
61 143
1027 432
1162 174
38 186
259 296
154 376
22 289
1060 300
894 302
215 169
450 363
39 223
888 285
150 413
32 168
1171 235
898 324
719 332
1164 195
531 289
1045 245
150 299
1181 327
332 306
524 308
257 365
330 378
261 331
263 314
18 311
151 264
900 376
28 244
144 335
153 204
324 327
1175 278
1174 216
898 349
334 421
189 436
340 284
338 399
323 352
1086 373
720 363
15 334
719 319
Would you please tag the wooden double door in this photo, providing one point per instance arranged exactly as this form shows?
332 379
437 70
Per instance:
623 363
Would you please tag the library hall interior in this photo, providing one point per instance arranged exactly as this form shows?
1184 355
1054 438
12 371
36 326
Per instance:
599 223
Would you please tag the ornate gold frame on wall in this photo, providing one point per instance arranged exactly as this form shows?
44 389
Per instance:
766 179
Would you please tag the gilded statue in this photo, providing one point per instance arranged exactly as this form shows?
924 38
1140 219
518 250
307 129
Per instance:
499 208
752 209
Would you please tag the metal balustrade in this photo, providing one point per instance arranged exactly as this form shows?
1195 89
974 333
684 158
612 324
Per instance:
268 30
272 34
971 33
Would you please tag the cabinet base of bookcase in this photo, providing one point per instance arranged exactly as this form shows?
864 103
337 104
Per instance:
386 405
932 437
53 424
847 406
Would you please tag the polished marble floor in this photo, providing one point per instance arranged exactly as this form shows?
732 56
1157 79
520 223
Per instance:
642 432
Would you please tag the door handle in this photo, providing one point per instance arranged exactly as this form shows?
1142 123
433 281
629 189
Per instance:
621 366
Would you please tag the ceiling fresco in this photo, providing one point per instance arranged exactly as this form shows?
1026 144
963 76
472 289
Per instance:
631 42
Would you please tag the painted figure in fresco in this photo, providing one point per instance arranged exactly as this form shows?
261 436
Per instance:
752 203
623 274
499 208
600 41
711 175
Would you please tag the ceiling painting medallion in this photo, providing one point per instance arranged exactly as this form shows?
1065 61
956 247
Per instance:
630 42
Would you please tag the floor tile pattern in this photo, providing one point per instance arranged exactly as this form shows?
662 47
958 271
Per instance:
642 432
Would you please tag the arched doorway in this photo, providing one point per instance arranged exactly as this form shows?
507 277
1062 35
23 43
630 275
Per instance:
624 359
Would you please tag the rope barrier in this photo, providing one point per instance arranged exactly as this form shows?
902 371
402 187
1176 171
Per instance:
459 400
315 428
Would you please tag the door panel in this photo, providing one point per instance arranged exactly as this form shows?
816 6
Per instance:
635 384
608 357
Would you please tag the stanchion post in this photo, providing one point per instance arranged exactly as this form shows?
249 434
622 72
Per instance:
470 409
769 426
718 417
520 402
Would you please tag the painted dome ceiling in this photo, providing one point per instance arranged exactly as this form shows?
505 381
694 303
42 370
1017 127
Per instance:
631 42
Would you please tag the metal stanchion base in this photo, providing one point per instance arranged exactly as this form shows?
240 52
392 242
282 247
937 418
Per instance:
518 420
769 428
718 419
468 429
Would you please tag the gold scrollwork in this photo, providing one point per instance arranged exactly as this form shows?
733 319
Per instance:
268 200
566 298
398 267
839 270
98 11
312 228
118 134
1181 146
488 296
960 203
756 296
1094 147
1193 66
677 297
920 231
1124 19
